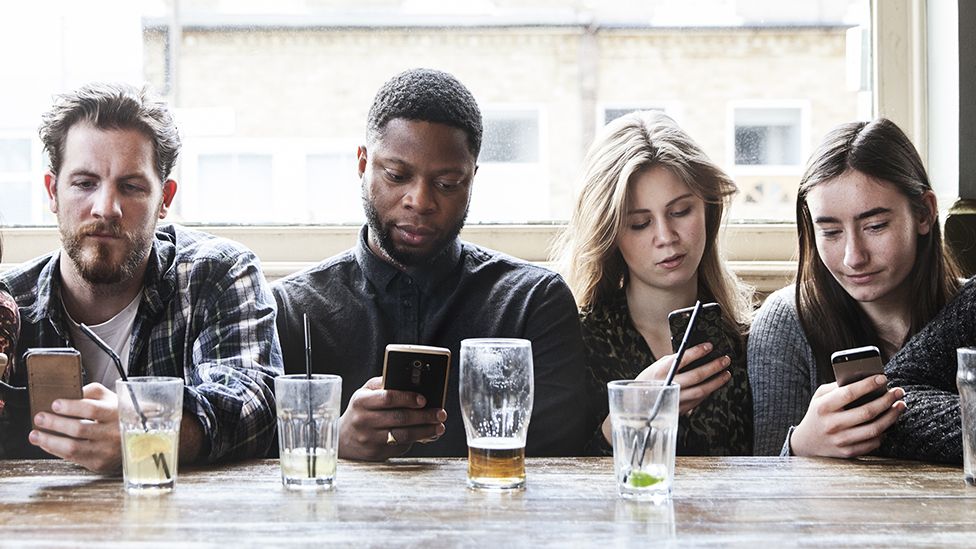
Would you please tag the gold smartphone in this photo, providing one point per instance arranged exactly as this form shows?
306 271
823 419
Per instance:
52 373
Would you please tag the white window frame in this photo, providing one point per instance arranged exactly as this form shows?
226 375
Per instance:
767 169
288 166
38 204
768 261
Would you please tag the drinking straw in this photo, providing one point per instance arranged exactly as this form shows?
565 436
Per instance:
667 382
311 445
159 458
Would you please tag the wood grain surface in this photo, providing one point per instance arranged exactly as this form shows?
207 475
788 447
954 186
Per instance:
568 502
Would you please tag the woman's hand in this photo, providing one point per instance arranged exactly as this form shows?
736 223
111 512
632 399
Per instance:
696 384
829 430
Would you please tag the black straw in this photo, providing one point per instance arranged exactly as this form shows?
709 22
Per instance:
311 445
668 380
159 458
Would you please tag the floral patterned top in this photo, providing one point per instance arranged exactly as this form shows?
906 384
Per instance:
720 426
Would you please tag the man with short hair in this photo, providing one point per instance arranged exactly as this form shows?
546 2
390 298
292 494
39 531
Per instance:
167 300
411 280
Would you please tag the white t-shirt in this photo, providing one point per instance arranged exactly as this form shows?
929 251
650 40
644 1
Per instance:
116 332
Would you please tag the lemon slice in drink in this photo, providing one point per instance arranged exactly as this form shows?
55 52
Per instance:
140 446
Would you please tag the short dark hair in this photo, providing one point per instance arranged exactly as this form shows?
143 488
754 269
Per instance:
112 106
427 95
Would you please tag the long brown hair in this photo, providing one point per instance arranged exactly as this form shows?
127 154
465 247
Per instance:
628 146
832 320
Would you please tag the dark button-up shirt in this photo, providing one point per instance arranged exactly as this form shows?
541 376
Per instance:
358 303
206 315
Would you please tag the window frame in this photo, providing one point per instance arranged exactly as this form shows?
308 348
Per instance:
763 253
802 105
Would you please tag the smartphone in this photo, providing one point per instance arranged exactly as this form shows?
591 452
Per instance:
52 373
708 327
419 369
851 365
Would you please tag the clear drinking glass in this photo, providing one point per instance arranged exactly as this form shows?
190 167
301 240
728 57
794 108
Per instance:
496 391
966 382
150 411
308 429
644 416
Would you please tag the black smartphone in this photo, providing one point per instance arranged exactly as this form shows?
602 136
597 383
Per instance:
52 373
851 365
419 369
708 327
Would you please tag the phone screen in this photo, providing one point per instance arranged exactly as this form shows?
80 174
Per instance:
419 369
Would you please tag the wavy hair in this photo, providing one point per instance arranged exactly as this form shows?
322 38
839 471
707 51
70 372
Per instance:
626 147
109 106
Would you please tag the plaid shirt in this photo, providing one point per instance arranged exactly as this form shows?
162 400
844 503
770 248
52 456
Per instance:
206 315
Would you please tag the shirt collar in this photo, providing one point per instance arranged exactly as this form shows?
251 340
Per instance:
381 273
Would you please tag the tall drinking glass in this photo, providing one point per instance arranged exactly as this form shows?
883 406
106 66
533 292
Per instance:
966 382
496 390
150 411
644 415
308 429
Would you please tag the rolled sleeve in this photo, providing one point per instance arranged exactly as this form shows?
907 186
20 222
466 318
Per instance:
235 358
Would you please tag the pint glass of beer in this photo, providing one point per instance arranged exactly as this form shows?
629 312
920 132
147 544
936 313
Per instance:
496 388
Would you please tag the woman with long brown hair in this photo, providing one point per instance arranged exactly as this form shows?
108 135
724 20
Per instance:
643 241
872 271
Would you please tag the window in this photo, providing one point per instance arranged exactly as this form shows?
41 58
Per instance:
768 136
19 195
608 113
769 145
512 184
299 71
232 186
510 136
332 189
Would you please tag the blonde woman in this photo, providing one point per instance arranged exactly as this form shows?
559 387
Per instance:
643 241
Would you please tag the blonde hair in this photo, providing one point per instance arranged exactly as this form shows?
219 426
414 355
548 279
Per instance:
587 251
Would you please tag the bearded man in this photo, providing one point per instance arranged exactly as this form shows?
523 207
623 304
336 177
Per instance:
167 300
411 280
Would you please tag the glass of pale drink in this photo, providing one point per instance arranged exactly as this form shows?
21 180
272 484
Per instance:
496 391
150 411
308 429
644 418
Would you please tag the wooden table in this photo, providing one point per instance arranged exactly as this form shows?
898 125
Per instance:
424 502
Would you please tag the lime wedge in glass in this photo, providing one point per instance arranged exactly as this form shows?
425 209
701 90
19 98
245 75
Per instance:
640 479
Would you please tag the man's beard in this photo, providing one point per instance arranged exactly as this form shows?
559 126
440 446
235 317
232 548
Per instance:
94 261
406 258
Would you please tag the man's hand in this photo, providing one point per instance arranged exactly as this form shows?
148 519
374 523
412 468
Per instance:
829 430
83 431
374 413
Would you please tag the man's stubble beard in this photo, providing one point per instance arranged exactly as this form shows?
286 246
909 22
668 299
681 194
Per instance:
385 240
94 262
